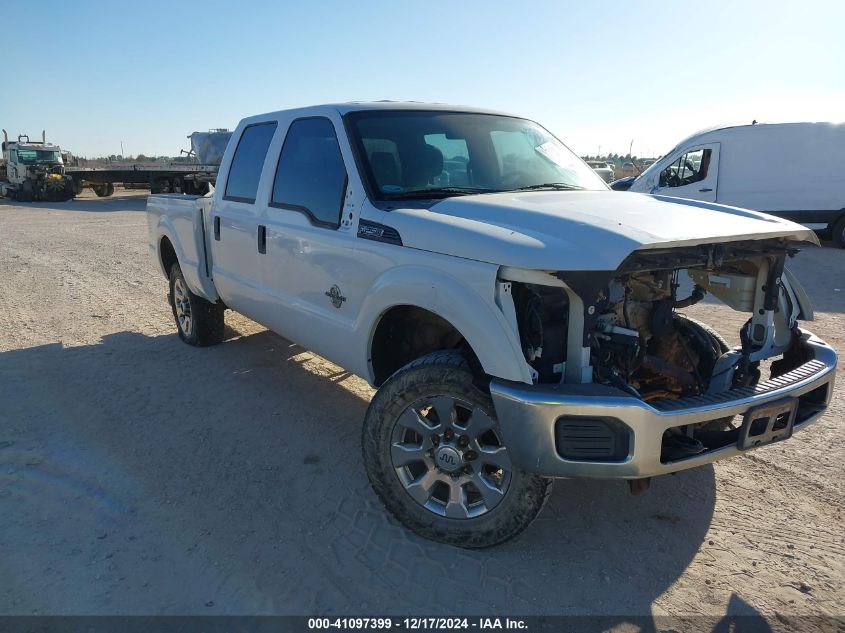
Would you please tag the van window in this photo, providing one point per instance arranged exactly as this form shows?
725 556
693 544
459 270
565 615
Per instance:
310 176
689 168
248 161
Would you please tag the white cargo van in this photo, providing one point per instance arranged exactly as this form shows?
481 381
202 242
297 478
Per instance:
792 170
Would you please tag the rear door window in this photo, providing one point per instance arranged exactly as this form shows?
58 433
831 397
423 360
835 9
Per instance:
311 176
248 161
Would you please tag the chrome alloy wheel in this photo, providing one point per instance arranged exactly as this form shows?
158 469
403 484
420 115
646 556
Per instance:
182 305
450 458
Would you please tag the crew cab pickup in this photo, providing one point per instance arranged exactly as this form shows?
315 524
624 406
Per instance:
521 321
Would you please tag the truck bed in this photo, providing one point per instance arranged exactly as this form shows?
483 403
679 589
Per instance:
183 219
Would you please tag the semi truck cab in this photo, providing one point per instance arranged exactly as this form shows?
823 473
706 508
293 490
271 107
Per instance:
33 170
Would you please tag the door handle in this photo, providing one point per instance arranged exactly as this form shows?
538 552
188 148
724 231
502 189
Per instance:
262 238
217 227
706 189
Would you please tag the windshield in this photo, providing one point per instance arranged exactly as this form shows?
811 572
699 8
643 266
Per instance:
34 156
408 154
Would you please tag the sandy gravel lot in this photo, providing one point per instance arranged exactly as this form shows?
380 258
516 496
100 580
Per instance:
142 476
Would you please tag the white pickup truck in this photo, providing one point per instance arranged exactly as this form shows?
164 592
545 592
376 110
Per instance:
521 321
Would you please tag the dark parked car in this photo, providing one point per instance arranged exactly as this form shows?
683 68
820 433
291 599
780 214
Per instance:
623 184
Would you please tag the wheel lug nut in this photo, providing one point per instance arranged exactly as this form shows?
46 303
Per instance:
435 440
469 456
463 440
448 434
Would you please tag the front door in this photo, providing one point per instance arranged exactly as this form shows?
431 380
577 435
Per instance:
309 267
693 174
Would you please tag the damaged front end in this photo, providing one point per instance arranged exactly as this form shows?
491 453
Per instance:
627 384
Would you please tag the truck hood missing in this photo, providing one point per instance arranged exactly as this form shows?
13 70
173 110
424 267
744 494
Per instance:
577 230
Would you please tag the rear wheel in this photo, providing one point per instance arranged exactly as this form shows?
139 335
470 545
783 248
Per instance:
198 321
160 185
838 232
436 458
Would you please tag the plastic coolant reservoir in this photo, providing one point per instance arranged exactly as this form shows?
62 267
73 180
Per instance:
733 289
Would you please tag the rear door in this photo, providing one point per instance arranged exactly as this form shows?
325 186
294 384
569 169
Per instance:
234 230
693 174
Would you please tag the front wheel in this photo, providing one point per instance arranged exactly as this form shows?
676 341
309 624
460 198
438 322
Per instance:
435 456
198 321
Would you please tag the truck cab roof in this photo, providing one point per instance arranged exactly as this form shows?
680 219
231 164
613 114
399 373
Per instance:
358 106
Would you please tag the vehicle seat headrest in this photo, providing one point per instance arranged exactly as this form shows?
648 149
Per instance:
425 166
385 169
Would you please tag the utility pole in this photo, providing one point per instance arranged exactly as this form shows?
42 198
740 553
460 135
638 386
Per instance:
121 149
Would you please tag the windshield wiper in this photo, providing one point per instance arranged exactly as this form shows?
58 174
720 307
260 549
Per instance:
437 192
561 186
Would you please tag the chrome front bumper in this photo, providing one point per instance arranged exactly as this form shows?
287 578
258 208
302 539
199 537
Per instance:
528 416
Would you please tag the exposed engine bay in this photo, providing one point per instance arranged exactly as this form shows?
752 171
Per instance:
640 342
635 336
643 345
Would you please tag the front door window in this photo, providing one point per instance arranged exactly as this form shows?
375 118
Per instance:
690 168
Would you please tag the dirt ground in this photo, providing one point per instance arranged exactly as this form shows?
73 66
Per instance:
139 475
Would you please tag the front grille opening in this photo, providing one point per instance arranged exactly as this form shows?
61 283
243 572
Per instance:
592 439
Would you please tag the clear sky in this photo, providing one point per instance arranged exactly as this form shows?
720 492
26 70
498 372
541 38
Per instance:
597 74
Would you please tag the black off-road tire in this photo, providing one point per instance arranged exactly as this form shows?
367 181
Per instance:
721 343
207 319
837 233
69 190
104 190
160 185
442 373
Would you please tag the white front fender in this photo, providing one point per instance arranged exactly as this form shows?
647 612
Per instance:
478 319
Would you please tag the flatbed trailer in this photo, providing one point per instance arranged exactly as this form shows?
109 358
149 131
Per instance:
171 178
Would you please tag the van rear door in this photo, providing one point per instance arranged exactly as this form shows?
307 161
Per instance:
694 174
